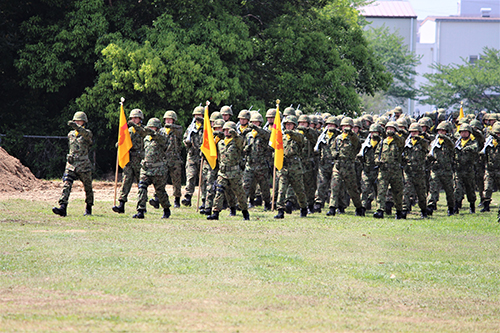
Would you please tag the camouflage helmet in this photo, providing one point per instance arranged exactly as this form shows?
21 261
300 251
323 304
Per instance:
226 109
398 109
357 123
325 115
304 119
476 124
441 110
218 123
170 115
415 127
402 122
291 119
465 127
289 111
154 122
464 120
257 117
425 121
80 115
383 120
442 126
298 113
198 111
376 128
392 124
136 113
316 120
332 120
496 128
369 118
347 121
244 114
271 113
455 114
230 125
215 115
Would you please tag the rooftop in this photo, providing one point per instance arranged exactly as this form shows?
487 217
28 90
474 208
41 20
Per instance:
394 9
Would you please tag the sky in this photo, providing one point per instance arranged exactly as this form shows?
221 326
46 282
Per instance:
425 8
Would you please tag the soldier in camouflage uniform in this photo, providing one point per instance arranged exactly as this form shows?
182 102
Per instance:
370 170
256 167
153 170
78 164
291 173
344 151
229 152
491 152
226 113
388 158
479 166
414 155
441 158
193 138
132 170
466 153
308 159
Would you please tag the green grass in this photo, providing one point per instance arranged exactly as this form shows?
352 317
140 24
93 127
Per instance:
110 272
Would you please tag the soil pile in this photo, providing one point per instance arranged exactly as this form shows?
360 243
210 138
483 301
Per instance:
15 176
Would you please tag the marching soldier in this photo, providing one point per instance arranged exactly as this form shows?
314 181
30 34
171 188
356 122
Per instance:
78 164
153 170
307 158
226 113
132 170
479 166
466 153
229 152
244 118
369 170
193 138
491 151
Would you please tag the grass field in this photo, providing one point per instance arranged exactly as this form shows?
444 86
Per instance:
110 272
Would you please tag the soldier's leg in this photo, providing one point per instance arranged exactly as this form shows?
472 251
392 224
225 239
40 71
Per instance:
192 174
211 190
480 179
420 187
407 191
309 181
142 195
351 184
282 188
446 181
220 186
459 188
159 183
128 179
298 189
434 186
175 171
396 181
335 188
248 181
68 178
262 179
86 178
323 182
383 184
237 188
489 184
470 187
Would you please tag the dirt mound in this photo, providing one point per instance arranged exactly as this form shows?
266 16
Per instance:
15 176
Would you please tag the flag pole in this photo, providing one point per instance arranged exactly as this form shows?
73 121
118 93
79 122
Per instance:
199 183
274 186
117 158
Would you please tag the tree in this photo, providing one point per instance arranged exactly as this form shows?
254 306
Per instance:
477 84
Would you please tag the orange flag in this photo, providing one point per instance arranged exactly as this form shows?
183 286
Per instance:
461 115
124 140
276 140
208 146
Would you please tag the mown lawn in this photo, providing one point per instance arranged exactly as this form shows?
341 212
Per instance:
110 272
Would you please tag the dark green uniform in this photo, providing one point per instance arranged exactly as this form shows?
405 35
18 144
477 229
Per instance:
441 159
369 173
466 154
414 156
173 157
193 139
492 173
132 170
325 167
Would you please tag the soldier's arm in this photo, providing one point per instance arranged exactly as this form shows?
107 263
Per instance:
308 133
295 136
355 140
472 148
85 133
262 132
141 130
400 142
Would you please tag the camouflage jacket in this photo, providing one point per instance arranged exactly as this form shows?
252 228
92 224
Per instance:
389 152
193 146
173 145
414 156
492 155
345 147
293 142
229 156
310 138
153 162
257 148
137 150
325 149
80 140
368 158
443 154
467 155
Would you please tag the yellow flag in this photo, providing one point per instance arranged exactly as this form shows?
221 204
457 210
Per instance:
276 140
461 115
124 140
208 146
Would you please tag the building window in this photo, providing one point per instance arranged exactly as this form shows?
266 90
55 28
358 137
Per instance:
473 59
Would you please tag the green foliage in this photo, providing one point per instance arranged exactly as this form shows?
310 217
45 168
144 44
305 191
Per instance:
478 84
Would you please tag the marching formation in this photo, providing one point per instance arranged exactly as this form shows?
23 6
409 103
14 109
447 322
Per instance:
391 160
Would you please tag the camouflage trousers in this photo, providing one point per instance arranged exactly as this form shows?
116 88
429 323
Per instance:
480 172
174 170
131 173
69 177
414 185
390 175
441 178
291 177
368 186
491 180
257 176
208 178
323 181
465 183
226 187
309 179
192 175
159 183
344 171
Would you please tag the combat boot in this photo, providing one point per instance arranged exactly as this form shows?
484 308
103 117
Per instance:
379 214
258 200
310 209
281 214
88 210
317 208
251 203
423 213
214 216
60 210
246 216
341 210
267 206
177 202
120 209
202 207
187 200
360 211
486 207
472 208
155 202
166 213
450 210
332 211
232 211
208 211
430 210
303 212
400 215
289 207
368 206
456 209
388 207
139 215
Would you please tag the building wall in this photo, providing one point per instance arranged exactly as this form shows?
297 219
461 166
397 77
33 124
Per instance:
427 32
401 25
473 7
427 53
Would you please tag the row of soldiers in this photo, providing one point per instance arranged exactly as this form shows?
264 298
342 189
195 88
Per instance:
327 160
